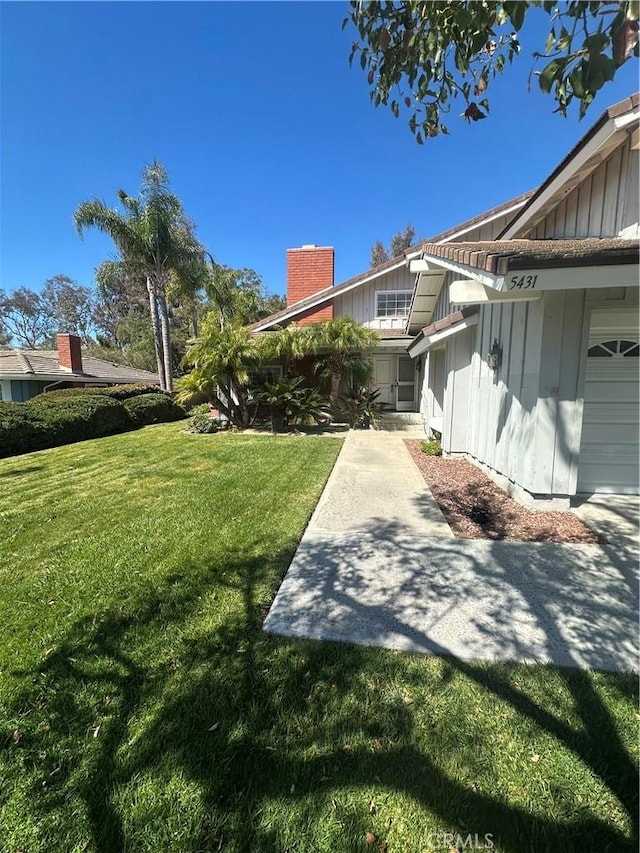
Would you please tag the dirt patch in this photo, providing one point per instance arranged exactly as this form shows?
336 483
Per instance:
476 508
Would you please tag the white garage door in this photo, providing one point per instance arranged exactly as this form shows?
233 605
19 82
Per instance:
609 446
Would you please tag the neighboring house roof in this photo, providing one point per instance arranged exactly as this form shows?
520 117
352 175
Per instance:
501 256
598 142
43 364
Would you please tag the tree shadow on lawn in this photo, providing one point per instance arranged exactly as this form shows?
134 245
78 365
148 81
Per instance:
217 713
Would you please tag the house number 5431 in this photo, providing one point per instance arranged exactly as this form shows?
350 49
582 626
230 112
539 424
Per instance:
523 282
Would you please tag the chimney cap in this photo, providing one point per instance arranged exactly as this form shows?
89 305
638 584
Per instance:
309 246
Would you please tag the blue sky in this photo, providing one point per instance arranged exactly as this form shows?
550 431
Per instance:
268 136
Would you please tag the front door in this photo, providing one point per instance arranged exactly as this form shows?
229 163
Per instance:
395 377
406 385
383 379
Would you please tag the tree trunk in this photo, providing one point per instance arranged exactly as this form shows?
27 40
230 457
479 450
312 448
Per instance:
166 339
157 337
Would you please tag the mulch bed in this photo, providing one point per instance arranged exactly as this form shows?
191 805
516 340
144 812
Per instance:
476 508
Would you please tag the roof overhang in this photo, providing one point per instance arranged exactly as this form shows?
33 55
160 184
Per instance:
425 297
428 339
471 292
591 151
527 285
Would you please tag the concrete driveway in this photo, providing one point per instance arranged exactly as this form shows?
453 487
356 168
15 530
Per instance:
378 566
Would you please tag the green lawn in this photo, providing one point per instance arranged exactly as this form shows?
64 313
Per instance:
142 708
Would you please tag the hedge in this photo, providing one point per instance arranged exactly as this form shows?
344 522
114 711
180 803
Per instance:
117 392
21 429
56 418
153 409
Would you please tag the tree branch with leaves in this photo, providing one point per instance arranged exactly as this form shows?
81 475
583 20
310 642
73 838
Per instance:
420 57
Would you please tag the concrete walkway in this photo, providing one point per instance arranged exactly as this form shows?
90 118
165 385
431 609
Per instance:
378 566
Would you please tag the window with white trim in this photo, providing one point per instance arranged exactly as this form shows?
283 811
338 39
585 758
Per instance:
393 303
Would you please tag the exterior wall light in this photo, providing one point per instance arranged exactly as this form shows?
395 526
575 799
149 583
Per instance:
494 358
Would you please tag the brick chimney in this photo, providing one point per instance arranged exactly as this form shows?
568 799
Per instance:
310 269
69 352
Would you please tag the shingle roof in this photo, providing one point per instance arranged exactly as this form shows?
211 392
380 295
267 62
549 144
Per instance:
34 363
476 220
501 256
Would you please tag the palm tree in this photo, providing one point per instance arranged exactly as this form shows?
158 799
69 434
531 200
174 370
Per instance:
153 238
342 345
221 360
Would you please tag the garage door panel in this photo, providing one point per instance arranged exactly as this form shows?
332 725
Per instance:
609 457
617 433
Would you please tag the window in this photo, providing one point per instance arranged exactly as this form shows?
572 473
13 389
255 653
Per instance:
270 373
614 349
393 303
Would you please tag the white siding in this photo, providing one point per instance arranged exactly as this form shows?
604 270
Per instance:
361 302
605 204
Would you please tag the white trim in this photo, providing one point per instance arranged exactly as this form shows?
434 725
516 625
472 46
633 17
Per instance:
469 271
429 341
480 223
418 265
408 292
592 147
470 292
577 278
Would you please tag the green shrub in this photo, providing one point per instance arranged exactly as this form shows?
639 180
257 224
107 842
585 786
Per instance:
200 409
156 408
361 408
290 403
126 392
79 417
431 448
116 392
202 424
21 430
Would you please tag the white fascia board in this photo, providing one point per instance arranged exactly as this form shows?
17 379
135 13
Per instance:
468 292
430 341
411 256
327 297
418 265
487 278
394 343
581 158
574 278
35 377
481 222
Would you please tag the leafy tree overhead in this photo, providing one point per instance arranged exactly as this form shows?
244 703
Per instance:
421 56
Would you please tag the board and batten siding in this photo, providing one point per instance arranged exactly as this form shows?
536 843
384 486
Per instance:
604 204
360 303
523 420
